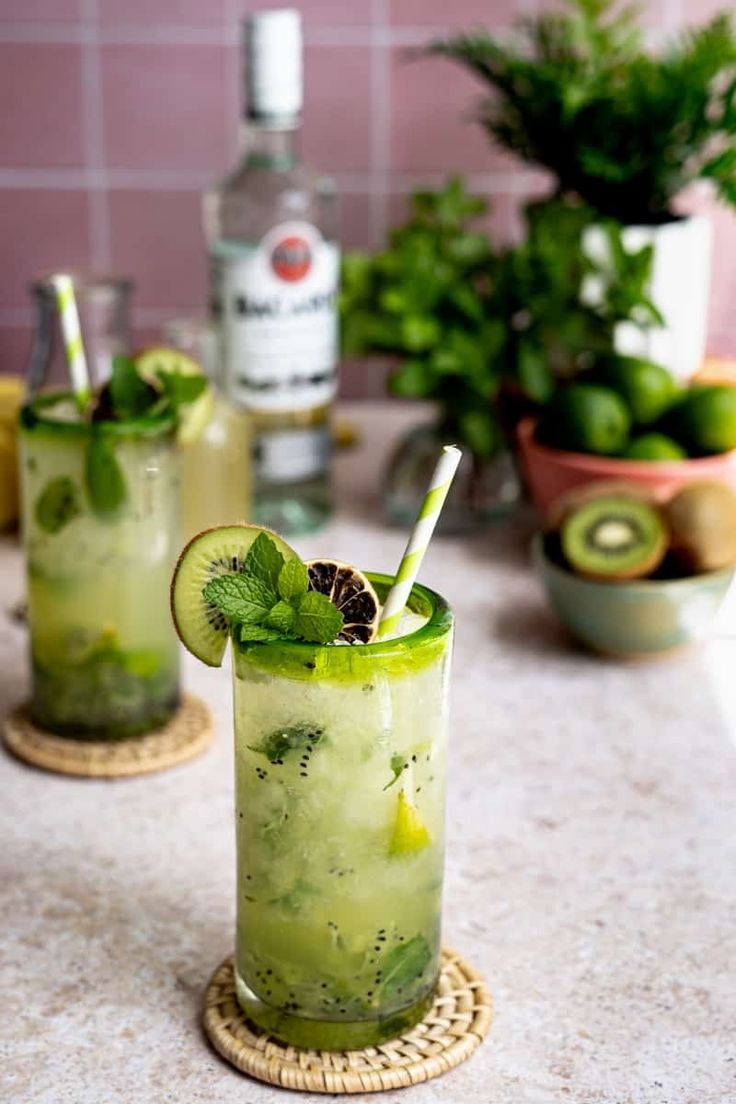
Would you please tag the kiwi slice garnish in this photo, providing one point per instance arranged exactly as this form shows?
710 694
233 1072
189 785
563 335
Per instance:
702 521
614 537
203 630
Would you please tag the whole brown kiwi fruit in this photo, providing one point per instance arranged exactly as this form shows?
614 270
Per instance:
702 521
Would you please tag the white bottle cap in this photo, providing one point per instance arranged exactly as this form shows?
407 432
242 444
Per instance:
273 60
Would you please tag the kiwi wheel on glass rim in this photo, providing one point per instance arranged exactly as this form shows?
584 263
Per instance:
702 521
202 628
614 538
352 594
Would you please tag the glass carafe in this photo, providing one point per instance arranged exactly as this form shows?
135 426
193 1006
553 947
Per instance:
103 301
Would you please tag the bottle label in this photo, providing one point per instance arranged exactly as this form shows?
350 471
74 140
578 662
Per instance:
292 455
277 310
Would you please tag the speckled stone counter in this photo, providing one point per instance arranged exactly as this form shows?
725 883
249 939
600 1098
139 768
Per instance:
591 862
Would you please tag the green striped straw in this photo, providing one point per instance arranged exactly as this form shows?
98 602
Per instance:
419 540
72 335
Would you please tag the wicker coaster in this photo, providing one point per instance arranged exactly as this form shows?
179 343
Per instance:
456 1024
187 734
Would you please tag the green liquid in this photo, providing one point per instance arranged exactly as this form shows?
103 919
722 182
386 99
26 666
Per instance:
104 653
338 937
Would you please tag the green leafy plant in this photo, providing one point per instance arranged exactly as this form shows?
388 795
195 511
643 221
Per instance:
424 300
271 600
624 130
464 320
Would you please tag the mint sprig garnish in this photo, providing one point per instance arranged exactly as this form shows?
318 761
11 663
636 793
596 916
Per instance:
128 395
270 599
125 397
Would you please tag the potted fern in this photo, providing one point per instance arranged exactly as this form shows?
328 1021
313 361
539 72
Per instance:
625 131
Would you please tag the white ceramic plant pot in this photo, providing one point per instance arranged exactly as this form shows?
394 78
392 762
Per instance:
679 288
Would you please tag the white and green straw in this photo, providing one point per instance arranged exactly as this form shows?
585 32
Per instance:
420 537
72 335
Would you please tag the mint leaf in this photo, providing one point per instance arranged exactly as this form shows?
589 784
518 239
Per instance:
405 964
250 633
57 504
103 478
265 562
241 598
277 745
131 396
180 389
293 580
397 766
281 618
317 620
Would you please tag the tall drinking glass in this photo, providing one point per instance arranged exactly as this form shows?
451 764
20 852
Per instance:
100 519
340 798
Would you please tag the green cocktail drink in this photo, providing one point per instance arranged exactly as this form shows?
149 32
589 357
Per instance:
100 516
340 796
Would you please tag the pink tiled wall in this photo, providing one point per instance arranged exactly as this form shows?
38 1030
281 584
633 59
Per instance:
117 113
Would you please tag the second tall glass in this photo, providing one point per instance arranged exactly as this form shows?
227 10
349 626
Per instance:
100 517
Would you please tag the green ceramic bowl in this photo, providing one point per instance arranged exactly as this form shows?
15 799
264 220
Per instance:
644 617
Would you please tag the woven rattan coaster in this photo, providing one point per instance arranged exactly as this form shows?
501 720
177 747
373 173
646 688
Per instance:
455 1025
187 734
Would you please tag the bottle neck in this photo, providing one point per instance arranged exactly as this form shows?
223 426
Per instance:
270 147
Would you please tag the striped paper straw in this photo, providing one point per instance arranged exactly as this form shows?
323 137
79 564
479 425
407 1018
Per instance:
72 334
420 537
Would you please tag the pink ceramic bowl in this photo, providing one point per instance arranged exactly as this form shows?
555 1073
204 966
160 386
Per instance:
552 472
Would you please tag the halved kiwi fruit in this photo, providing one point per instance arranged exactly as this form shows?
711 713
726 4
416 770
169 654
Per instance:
203 630
573 499
348 590
702 520
614 537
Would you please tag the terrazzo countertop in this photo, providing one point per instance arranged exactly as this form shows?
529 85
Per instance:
591 861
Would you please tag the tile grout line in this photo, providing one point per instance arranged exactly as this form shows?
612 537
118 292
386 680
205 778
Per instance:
380 135
233 83
228 33
514 182
96 184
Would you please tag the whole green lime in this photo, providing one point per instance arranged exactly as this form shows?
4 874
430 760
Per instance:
586 418
653 446
705 419
647 388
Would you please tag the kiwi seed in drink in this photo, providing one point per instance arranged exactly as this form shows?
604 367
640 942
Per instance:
202 628
702 520
614 538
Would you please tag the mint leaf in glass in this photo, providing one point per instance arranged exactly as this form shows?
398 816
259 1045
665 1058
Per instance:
397 766
293 580
103 478
242 598
317 620
57 504
264 561
405 964
277 745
